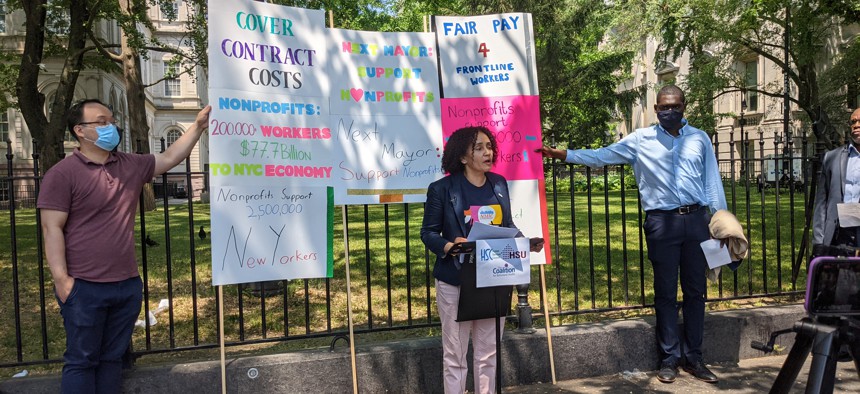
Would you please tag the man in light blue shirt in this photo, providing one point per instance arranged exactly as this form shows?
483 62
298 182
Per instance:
680 186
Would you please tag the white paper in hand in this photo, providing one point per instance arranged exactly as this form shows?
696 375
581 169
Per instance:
486 231
716 255
849 214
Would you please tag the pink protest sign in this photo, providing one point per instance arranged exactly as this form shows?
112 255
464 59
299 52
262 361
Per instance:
513 120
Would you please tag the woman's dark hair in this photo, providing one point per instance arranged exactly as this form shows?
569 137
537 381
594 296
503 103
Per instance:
76 114
461 143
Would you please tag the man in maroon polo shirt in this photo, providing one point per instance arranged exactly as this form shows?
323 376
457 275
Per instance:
87 203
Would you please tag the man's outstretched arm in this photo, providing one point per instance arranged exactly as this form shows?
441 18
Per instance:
180 149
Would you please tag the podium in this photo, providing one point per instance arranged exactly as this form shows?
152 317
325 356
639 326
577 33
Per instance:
487 280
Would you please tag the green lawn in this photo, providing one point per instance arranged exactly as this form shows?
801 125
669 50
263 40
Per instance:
611 250
391 277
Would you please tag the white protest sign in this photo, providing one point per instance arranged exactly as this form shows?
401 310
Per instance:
269 233
487 55
275 71
269 121
502 262
267 48
489 79
384 116
268 86
526 210
250 145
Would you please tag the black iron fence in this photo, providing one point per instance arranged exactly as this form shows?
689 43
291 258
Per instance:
597 245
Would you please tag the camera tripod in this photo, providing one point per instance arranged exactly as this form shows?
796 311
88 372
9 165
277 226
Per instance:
823 336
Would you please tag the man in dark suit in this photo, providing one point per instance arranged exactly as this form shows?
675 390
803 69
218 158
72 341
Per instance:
838 183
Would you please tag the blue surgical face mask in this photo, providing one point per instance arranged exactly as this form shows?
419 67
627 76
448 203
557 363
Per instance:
108 137
670 119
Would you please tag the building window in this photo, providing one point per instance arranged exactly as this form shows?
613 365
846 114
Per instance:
751 84
666 79
172 136
111 28
4 190
49 101
172 83
170 10
57 18
628 117
69 137
112 104
126 139
119 115
4 126
2 16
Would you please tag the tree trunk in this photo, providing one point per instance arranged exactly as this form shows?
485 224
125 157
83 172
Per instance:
826 135
30 100
47 132
136 101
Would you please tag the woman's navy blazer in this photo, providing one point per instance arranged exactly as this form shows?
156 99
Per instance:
444 219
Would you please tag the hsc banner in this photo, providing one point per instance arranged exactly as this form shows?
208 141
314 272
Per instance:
502 262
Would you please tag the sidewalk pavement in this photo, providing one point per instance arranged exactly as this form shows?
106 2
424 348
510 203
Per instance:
414 365
754 375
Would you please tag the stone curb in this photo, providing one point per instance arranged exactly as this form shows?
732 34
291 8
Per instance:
415 366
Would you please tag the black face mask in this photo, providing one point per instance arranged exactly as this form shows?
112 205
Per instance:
670 119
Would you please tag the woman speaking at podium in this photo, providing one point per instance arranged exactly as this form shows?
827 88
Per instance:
468 157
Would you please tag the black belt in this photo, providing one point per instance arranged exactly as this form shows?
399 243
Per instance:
678 211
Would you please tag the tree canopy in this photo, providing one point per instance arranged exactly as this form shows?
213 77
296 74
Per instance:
721 35
66 29
584 50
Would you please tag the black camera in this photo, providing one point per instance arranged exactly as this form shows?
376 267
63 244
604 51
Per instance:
830 331
833 286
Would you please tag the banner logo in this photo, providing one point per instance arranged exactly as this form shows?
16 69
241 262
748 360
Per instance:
511 257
